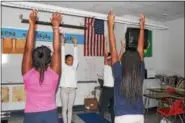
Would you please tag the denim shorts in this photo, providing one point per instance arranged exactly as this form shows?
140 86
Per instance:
42 117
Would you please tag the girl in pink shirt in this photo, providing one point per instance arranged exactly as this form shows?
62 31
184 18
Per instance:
41 72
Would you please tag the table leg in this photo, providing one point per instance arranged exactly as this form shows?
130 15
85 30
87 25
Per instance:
145 103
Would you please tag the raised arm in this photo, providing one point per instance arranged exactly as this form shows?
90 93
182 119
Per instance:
75 63
122 49
30 44
140 47
63 49
112 41
56 58
105 52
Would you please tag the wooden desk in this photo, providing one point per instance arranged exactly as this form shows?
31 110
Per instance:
162 95
156 89
157 96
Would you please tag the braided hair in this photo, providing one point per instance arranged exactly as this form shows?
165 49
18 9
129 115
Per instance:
41 59
131 84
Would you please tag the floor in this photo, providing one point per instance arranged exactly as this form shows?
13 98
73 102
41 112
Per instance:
151 118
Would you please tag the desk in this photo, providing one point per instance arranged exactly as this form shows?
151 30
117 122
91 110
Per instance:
150 83
156 89
157 95
162 95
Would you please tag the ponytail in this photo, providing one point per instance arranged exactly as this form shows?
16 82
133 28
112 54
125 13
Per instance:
42 70
41 59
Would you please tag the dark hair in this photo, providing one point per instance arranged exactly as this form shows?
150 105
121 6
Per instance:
67 56
109 54
41 58
131 84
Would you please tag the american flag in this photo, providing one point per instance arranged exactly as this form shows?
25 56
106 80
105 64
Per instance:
94 37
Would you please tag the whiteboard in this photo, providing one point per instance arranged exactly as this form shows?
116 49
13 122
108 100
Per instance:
87 69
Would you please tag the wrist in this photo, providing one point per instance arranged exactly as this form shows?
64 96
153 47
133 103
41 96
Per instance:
55 27
32 25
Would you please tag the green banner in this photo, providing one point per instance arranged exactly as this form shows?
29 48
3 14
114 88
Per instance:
148 51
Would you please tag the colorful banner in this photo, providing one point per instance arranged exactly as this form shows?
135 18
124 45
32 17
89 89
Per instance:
148 51
40 35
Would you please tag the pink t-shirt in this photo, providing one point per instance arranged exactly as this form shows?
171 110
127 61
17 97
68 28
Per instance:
40 97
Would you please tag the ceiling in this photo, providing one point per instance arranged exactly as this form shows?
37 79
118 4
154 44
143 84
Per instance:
158 11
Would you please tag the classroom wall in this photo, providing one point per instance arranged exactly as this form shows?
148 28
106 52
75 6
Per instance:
11 68
174 54
11 19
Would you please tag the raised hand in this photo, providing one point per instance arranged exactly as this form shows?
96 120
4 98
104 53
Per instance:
142 21
33 17
56 19
63 39
111 19
123 43
106 43
74 41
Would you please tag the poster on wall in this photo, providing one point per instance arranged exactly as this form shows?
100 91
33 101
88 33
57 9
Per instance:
18 94
14 39
40 35
148 50
5 94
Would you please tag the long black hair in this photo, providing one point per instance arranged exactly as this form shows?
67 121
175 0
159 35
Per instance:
131 85
41 58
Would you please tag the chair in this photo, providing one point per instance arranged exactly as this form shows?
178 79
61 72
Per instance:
176 109
167 100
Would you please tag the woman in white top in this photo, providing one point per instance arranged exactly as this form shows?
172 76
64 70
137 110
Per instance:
68 82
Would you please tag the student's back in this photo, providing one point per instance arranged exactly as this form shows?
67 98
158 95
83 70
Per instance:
41 71
40 96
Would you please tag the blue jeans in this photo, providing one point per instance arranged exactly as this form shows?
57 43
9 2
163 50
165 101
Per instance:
42 117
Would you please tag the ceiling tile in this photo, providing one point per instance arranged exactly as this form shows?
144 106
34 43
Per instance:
74 5
104 7
147 3
129 7
152 10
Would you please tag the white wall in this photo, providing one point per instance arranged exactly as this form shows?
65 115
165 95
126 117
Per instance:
174 48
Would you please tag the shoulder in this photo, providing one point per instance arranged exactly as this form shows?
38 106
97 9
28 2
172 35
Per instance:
29 73
53 73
